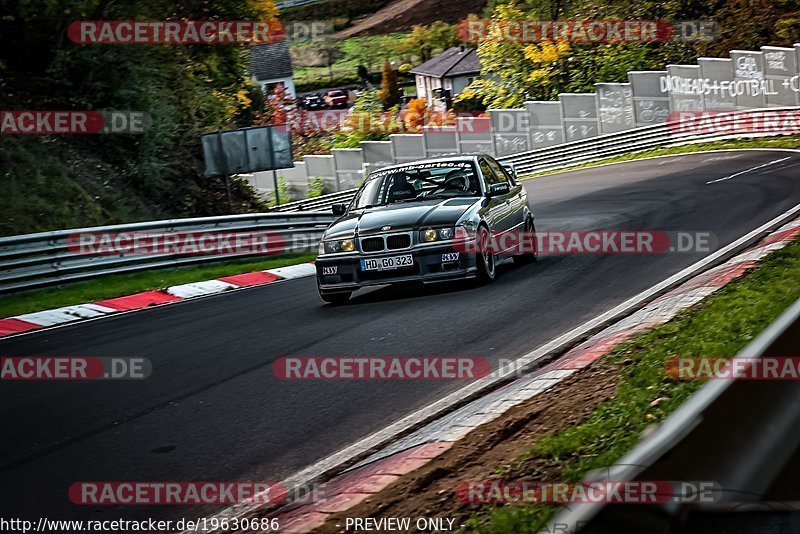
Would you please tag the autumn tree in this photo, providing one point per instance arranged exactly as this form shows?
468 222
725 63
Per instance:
414 116
514 71
280 108
425 40
185 91
390 92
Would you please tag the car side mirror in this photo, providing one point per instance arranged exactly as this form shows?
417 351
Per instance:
339 209
496 190
512 170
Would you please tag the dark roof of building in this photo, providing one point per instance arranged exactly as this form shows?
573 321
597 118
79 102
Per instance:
456 61
270 61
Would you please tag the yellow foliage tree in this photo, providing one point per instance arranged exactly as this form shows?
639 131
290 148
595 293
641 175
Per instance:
414 116
264 9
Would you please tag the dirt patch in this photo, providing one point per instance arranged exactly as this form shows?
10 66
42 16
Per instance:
430 490
401 15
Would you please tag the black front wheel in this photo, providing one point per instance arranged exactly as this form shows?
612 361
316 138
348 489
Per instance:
485 257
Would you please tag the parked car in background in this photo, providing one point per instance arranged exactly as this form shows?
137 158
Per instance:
335 98
313 102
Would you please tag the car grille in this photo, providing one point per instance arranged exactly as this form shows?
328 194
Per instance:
386 242
394 242
372 244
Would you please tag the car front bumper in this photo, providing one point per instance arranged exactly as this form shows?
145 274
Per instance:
428 267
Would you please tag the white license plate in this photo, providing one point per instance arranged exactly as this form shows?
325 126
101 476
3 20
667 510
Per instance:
383 264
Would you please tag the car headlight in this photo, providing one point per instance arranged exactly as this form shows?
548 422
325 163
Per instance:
446 233
340 245
439 234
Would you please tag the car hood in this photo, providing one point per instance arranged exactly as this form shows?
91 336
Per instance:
400 217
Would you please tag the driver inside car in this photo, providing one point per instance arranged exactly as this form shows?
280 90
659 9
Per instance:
459 180
400 188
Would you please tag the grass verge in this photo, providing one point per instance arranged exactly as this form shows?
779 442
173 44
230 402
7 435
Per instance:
117 285
791 141
719 326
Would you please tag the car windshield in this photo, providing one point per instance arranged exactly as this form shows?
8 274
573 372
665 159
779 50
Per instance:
418 182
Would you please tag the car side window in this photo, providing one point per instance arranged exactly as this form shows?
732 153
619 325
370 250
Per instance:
501 172
489 175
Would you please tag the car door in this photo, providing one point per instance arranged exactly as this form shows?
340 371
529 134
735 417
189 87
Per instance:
516 197
497 209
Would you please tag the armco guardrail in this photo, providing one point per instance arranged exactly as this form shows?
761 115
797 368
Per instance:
587 150
35 260
741 435
323 202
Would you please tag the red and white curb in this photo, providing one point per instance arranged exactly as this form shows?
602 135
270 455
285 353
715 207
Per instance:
68 314
376 472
